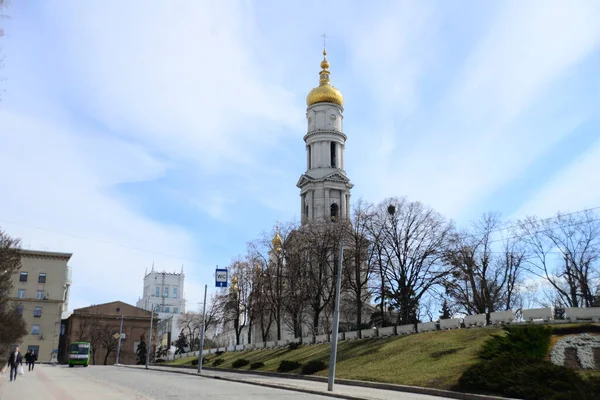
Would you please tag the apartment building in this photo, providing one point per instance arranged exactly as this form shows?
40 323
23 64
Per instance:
40 293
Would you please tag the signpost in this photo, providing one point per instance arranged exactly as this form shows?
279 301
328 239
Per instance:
220 282
221 278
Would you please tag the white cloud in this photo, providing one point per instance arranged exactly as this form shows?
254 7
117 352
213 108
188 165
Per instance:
477 140
59 183
576 188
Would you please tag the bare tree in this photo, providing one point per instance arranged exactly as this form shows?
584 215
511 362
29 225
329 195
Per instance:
482 280
107 340
320 240
234 302
565 250
12 327
297 288
360 258
414 238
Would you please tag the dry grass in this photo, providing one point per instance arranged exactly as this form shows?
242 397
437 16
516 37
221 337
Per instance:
433 359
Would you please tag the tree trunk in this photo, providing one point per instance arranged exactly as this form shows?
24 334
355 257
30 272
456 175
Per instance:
106 357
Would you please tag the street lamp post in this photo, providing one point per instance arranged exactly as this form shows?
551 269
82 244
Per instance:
200 355
120 334
336 323
150 338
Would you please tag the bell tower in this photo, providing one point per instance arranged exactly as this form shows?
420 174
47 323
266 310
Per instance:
324 187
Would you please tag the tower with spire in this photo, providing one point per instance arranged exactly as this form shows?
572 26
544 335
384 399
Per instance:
324 187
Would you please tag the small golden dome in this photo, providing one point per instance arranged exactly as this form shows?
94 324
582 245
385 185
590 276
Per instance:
324 93
277 240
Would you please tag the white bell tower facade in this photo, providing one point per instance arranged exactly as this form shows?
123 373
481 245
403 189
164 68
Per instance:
324 187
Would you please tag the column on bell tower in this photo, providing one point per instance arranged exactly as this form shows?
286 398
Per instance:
324 187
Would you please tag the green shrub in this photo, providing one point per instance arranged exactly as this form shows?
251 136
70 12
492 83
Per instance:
294 346
219 353
526 378
531 341
313 366
257 365
286 366
239 363
218 362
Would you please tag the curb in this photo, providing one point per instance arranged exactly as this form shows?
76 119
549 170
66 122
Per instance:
348 382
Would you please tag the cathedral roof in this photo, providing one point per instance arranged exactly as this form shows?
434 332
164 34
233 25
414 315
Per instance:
324 93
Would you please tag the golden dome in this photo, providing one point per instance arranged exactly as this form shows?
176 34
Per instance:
277 240
324 93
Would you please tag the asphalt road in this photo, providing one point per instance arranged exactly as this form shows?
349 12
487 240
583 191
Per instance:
47 382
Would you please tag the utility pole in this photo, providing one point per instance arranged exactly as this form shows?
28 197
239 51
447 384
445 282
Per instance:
119 344
336 322
200 355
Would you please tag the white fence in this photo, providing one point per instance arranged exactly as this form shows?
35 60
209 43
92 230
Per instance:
544 315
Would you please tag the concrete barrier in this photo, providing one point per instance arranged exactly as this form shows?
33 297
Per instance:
367 333
271 344
426 327
351 335
239 347
387 331
475 320
502 317
405 329
452 323
582 314
321 339
544 314
307 340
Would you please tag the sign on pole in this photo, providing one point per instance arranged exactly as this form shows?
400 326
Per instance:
221 278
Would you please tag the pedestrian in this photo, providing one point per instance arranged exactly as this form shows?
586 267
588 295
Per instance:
28 359
32 360
14 360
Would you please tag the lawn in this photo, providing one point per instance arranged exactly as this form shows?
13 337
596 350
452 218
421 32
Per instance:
432 359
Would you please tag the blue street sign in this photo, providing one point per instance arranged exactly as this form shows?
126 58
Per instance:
221 278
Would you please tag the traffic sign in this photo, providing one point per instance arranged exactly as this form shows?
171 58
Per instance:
221 278
116 336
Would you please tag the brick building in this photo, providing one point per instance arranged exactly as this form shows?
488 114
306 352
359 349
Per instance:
98 325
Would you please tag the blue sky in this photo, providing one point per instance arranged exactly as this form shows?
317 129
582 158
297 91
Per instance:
171 132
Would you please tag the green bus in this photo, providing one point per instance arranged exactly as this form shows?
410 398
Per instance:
80 353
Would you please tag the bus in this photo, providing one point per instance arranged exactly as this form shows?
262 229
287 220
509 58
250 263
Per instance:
80 353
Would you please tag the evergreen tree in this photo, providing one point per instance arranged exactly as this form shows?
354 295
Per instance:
445 312
142 351
181 343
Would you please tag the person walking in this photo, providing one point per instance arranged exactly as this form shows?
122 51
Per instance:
32 360
28 359
14 360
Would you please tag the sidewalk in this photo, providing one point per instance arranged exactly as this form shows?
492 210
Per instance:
353 390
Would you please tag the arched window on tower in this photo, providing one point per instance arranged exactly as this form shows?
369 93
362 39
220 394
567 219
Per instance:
334 211
333 155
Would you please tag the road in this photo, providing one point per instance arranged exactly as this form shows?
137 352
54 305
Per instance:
49 382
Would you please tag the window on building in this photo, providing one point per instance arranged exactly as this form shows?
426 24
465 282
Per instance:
21 293
39 295
334 211
19 310
176 310
35 329
309 157
174 292
157 291
23 277
166 309
166 292
37 312
42 278
333 155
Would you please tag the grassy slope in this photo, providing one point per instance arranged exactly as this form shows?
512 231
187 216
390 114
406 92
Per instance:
433 359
